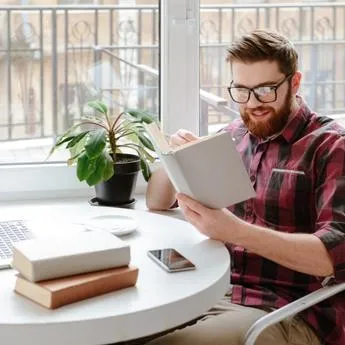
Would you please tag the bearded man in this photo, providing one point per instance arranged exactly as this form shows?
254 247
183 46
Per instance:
289 240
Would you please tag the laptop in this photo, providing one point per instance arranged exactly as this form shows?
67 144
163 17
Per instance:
11 231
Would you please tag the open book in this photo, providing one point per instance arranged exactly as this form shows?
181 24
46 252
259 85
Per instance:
209 170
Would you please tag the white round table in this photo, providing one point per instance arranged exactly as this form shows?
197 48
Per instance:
159 301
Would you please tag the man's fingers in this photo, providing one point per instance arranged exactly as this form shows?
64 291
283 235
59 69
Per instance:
191 216
191 203
186 135
182 137
176 140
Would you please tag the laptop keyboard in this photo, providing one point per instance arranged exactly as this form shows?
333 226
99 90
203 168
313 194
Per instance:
12 231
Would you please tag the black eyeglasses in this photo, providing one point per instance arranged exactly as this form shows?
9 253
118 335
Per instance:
264 94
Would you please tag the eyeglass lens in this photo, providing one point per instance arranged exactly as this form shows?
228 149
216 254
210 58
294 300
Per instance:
263 94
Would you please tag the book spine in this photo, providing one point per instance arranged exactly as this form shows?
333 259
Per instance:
94 288
81 263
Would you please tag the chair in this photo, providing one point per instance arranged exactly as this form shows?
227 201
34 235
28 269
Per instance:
290 310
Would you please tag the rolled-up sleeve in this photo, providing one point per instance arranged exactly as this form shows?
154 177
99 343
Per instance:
330 205
334 241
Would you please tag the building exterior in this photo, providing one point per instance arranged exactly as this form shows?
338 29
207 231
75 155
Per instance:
53 60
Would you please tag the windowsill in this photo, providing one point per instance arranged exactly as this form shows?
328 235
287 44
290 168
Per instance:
15 208
48 181
35 186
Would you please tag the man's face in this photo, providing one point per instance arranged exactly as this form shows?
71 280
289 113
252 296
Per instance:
263 119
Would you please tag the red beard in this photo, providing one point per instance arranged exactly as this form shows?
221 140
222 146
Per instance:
275 122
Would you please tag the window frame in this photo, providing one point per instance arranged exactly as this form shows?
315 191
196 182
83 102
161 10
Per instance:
179 80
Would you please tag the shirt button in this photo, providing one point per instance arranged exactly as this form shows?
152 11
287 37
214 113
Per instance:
252 178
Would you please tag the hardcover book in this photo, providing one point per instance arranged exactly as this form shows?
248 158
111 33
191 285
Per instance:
209 170
51 257
58 292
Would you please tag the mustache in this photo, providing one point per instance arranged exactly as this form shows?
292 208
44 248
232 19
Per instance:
260 108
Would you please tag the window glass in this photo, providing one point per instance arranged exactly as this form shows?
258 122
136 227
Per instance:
74 2
317 31
54 60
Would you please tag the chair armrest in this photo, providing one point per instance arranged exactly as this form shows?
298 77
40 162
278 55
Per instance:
290 309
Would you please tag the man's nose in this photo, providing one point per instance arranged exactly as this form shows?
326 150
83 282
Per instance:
253 102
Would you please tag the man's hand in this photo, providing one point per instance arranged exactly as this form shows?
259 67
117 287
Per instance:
218 224
300 252
181 137
160 193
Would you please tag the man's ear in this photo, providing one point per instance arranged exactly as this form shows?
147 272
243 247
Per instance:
296 82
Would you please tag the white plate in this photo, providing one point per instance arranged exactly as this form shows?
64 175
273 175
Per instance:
116 224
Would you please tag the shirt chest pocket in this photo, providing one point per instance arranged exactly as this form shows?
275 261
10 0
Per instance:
287 199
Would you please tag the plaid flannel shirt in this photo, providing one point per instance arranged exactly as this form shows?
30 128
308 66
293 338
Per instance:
299 178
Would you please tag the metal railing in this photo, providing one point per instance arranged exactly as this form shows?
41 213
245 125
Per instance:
208 100
51 65
317 30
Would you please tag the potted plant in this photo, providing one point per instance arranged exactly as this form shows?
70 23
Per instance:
109 150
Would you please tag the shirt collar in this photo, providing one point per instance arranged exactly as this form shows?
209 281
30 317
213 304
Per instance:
297 122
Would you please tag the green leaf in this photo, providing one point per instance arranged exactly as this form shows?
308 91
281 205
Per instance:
97 175
99 106
83 166
133 137
141 115
109 168
140 134
68 133
64 138
135 113
76 139
96 143
72 159
61 140
77 149
148 118
145 141
145 169
147 155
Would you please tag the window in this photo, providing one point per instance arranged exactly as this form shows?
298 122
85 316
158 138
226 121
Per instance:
79 2
53 61
317 31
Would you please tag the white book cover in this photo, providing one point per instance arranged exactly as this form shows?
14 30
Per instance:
209 170
59 256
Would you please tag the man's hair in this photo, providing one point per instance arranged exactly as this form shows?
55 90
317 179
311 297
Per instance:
260 45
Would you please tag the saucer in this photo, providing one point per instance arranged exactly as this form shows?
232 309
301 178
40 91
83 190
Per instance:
96 202
116 224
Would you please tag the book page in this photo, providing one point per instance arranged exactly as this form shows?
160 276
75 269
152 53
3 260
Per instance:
157 137
206 137
209 169
214 172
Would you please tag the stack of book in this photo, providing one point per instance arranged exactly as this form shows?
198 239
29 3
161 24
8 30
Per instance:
55 271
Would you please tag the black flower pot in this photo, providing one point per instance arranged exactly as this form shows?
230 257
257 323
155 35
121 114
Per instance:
119 189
